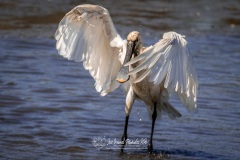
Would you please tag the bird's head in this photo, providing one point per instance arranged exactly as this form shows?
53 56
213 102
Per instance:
134 45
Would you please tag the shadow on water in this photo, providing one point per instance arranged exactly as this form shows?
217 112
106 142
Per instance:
173 154
144 155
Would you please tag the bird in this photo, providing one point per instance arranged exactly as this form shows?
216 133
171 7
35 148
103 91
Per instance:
87 34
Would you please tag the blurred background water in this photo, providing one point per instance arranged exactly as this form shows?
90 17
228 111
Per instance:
49 108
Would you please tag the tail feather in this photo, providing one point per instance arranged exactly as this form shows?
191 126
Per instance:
170 110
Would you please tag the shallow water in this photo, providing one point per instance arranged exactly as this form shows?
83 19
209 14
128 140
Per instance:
49 108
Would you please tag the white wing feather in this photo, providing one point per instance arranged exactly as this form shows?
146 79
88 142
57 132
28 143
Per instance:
170 63
87 34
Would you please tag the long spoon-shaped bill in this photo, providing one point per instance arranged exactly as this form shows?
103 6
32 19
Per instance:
123 73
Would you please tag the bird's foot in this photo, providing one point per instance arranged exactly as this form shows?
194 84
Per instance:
124 138
150 148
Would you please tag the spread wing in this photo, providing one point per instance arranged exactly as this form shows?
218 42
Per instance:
87 34
170 63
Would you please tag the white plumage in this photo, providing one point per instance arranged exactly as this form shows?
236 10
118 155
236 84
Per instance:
84 34
87 34
169 61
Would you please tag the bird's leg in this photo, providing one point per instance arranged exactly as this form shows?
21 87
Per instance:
129 103
124 137
154 116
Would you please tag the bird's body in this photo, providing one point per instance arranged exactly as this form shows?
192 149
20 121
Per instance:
147 92
87 34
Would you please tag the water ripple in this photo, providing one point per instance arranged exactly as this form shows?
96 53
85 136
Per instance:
49 108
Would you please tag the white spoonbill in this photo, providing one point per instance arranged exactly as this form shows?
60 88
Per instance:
87 34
